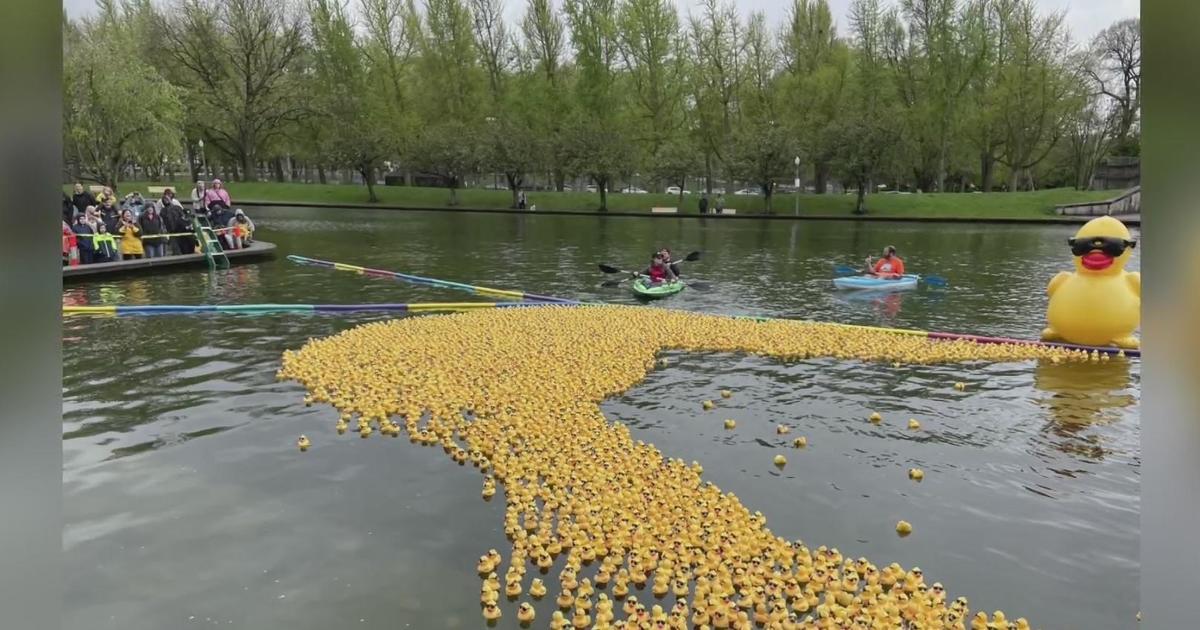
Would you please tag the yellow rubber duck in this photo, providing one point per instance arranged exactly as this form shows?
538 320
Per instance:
725 393
525 612
1099 304
875 418
303 443
537 589
913 424
730 424
708 404
491 611
536 432
903 528
916 474
800 442
780 461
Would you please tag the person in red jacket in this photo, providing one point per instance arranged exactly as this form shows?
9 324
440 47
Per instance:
658 271
889 267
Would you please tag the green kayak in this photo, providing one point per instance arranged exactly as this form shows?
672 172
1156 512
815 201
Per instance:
644 288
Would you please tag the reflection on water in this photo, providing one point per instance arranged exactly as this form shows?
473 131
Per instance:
1081 396
885 305
185 501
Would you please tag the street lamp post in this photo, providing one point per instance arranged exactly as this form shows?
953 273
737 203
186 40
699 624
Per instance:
203 158
797 183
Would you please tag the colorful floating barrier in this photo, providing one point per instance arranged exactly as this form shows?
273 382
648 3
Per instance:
529 299
449 307
264 309
431 282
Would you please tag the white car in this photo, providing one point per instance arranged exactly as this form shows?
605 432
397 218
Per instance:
634 190
591 188
746 192
674 190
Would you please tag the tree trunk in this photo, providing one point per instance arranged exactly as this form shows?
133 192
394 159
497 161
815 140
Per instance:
987 169
193 167
602 186
321 173
821 171
368 173
277 168
708 174
767 196
1013 174
560 180
860 205
247 164
513 188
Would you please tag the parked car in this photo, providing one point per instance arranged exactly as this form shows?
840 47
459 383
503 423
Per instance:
746 192
591 188
634 190
674 190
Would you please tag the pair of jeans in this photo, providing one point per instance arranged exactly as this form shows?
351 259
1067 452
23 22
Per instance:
155 249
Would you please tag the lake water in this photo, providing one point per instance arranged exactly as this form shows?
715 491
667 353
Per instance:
187 504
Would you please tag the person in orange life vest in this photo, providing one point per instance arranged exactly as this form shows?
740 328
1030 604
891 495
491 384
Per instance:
658 271
889 267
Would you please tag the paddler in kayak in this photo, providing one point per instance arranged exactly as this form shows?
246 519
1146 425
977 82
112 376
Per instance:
890 267
666 256
658 271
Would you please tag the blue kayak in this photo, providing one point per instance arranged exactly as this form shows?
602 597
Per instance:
871 283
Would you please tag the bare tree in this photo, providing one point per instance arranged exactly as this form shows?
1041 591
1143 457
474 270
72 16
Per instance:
1116 69
236 60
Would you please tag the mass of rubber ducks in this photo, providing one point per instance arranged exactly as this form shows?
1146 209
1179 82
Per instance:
516 392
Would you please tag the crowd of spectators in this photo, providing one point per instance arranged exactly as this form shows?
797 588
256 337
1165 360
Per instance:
105 228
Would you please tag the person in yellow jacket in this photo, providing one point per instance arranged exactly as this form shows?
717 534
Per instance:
131 236
106 193
104 245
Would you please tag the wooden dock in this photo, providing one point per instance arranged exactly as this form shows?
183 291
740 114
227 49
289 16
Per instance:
257 249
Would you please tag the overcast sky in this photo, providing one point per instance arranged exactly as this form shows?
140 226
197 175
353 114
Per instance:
1085 17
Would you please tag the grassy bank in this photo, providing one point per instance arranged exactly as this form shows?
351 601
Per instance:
1020 205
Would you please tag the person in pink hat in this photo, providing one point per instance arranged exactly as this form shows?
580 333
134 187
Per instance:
216 193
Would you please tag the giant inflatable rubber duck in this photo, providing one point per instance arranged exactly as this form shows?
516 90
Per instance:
1100 303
